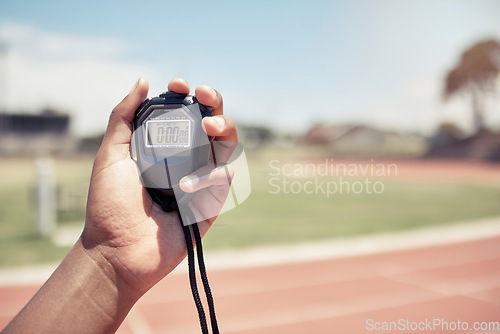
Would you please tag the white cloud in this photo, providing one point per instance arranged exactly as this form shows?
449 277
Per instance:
77 74
26 39
84 76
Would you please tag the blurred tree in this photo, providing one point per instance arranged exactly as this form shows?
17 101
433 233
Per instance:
475 75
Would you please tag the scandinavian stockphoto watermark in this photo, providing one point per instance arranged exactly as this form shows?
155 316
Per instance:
329 177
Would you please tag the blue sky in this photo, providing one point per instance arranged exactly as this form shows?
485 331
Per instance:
285 63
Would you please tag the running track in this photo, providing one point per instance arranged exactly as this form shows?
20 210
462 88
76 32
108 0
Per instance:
459 281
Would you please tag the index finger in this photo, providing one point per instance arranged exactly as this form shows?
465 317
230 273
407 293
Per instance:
210 97
178 85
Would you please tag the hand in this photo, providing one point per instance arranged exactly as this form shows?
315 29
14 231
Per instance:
141 242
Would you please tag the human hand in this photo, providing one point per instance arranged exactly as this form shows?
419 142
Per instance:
141 242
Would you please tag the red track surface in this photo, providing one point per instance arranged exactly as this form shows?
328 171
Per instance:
449 282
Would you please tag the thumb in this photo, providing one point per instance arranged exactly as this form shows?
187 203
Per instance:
116 140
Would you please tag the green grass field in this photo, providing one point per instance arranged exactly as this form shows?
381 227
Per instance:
267 218
19 242
264 219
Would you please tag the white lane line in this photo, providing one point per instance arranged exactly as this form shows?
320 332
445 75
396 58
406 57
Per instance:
320 311
307 251
354 246
452 287
391 272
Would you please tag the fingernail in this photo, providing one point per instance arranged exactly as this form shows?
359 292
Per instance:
135 85
221 122
190 181
214 92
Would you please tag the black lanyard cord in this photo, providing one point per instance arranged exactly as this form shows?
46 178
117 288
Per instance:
192 277
204 278
168 206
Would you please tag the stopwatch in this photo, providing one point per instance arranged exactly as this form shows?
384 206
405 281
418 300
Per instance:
168 144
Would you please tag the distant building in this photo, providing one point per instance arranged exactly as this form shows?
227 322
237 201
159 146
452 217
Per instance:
482 146
254 136
47 132
361 140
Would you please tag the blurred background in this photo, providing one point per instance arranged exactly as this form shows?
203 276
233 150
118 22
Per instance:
413 84
351 83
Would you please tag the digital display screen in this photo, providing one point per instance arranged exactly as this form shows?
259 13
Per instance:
168 133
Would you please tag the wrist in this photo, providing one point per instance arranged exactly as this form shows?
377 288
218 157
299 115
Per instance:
83 295
108 298
106 266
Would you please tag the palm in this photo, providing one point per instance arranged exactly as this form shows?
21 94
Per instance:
139 232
